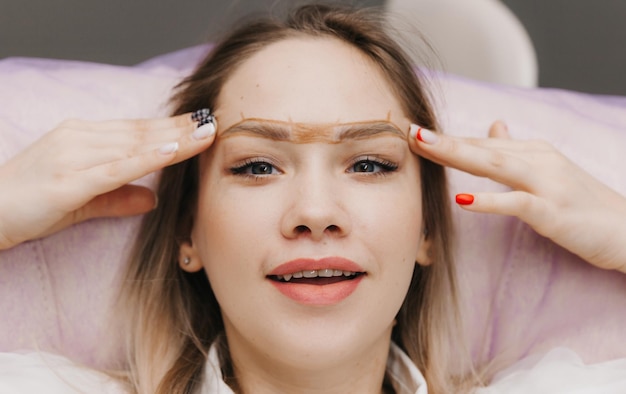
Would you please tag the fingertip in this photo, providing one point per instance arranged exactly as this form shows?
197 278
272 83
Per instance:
464 199
499 129
423 135
471 202
128 200
134 200
205 131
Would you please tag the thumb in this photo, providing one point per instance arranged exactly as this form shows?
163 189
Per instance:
128 200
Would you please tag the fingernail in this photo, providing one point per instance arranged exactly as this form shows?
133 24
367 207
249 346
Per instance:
200 114
169 148
464 199
156 201
424 135
204 131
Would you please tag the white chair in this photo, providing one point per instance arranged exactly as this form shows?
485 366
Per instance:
479 39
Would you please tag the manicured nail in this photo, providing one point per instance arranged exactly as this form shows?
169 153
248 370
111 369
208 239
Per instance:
464 199
424 135
169 148
200 114
204 131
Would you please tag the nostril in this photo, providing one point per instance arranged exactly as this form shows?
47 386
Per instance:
301 229
332 228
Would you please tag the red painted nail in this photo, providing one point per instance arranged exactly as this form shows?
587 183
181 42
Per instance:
419 134
464 199
424 135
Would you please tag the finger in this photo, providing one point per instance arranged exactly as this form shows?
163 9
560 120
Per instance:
499 129
526 206
107 150
192 144
127 200
125 125
477 158
500 140
105 141
112 140
109 176
138 133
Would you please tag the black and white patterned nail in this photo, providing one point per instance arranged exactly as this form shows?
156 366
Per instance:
203 116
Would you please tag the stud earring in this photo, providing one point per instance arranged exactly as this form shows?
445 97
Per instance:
187 260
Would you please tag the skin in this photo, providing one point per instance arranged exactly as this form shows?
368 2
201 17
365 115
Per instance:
54 186
313 203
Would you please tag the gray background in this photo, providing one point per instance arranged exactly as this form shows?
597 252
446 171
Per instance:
580 43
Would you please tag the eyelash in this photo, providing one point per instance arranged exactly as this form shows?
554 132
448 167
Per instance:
246 165
386 167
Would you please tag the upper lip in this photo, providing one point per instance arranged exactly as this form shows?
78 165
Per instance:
308 264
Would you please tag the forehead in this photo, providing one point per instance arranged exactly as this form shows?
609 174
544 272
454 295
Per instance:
308 80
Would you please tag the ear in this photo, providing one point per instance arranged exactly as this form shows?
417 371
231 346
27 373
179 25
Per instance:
423 251
188 258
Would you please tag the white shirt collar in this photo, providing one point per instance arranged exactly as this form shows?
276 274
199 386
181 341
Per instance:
404 375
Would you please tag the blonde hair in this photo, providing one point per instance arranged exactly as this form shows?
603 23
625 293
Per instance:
172 317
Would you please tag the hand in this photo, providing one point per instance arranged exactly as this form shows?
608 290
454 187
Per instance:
554 196
81 170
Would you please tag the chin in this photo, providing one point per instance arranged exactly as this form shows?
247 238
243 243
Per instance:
322 344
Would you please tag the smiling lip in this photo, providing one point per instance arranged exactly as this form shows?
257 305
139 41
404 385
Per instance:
317 294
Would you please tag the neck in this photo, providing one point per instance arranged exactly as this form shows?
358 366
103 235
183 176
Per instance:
362 372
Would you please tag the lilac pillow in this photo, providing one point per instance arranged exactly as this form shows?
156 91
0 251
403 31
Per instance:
522 294
54 292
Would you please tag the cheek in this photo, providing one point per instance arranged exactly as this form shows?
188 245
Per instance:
222 218
228 226
235 229
223 237
394 216
400 238
392 234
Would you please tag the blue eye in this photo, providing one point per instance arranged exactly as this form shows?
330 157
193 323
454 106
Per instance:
373 166
254 168
261 168
364 166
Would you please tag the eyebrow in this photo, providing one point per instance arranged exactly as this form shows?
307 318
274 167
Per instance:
306 133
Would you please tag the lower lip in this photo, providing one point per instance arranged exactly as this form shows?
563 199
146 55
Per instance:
318 294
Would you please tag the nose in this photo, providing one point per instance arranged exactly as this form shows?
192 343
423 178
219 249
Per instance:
316 209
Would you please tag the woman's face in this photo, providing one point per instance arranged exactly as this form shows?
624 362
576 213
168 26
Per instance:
309 214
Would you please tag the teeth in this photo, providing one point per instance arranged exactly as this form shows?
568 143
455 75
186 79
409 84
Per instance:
323 273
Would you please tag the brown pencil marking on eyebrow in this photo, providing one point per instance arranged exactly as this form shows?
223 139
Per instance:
304 133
